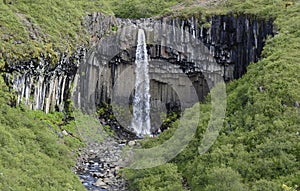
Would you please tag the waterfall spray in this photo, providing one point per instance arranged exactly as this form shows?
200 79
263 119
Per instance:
141 102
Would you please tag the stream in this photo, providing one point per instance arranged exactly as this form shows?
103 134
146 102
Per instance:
98 166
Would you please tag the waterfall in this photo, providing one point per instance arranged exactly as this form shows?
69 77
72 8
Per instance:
141 102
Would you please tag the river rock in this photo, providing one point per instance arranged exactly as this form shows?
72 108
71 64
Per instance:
100 183
107 180
99 171
131 143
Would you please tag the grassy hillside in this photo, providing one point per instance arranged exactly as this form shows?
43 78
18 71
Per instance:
35 155
29 28
259 8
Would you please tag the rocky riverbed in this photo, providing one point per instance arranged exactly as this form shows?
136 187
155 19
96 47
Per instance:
99 165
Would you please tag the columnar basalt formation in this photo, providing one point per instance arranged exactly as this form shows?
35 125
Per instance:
40 84
185 55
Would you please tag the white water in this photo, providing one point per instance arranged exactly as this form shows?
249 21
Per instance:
141 102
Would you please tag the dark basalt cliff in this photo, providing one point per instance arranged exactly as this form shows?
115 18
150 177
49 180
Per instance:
42 85
184 55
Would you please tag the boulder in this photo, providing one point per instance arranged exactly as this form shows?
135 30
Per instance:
100 183
131 143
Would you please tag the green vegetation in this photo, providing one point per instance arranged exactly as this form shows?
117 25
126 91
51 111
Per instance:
35 155
141 8
88 127
257 8
162 178
29 27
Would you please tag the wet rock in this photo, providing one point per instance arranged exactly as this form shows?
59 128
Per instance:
131 143
100 183
107 181
101 170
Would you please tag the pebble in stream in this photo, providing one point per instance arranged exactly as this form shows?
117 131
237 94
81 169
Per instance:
98 166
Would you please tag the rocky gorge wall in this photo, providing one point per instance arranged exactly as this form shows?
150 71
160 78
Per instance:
186 56
42 85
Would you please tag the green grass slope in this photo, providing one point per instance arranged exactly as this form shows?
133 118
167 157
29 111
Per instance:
29 28
32 155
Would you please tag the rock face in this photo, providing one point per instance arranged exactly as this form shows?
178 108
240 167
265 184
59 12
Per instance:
42 85
187 57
